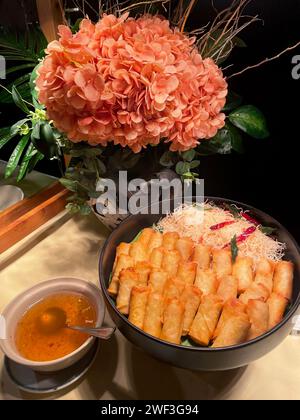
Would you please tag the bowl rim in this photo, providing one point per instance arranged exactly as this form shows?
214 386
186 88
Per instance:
192 348
101 314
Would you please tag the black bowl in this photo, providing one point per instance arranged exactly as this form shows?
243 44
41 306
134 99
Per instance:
198 358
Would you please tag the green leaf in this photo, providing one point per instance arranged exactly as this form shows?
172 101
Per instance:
76 26
182 168
233 210
15 156
251 120
168 159
69 184
18 100
189 155
44 140
234 249
25 162
34 160
15 128
226 139
194 164
5 138
22 84
233 101
19 67
267 230
32 80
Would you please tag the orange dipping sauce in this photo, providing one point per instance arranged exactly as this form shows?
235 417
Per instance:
36 345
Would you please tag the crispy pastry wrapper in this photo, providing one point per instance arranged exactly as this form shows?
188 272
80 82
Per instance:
174 288
191 299
256 291
202 256
234 331
153 319
283 279
155 241
122 249
173 321
171 262
169 240
122 262
277 306
264 274
156 257
232 307
138 252
206 281
145 237
138 304
185 246
243 271
157 280
206 320
222 263
258 312
228 287
187 272
143 270
128 279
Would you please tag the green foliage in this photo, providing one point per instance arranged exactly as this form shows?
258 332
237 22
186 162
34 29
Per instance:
234 249
251 120
227 139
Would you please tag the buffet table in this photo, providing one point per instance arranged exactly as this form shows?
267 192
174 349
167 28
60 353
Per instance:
70 247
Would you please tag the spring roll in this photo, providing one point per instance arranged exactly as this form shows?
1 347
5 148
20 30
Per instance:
191 298
185 246
277 306
122 249
256 292
143 270
264 274
138 304
222 263
173 321
235 331
138 252
128 279
170 262
187 272
152 320
206 320
242 270
232 307
174 288
202 256
155 242
228 288
123 261
157 280
206 281
169 240
156 257
258 313
145 237
283 279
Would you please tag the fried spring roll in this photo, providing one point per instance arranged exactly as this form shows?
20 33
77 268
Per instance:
283 279
233 307
277 306
264 274
234 331
138 252
174 288
155 242
152 320
170 262
173 321
256 292
122 249
258 313
191 298
222 263
156 257
206 320
185 246
145 237
128 279
157 280
206 281
242 270
228 288
123 261
169 240
187 272
138 304
143 270
202 256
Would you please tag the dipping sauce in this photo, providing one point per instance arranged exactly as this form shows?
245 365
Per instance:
35 344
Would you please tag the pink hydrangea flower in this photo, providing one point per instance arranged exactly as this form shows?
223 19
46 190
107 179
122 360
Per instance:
133 82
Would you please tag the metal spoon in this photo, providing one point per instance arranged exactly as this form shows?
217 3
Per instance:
55 318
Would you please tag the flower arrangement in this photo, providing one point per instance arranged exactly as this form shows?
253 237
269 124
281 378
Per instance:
134 87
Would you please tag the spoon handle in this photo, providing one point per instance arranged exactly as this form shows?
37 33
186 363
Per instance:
104 333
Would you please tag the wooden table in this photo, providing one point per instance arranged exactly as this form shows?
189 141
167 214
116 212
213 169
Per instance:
70 247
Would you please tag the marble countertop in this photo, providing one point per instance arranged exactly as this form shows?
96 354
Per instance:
70 247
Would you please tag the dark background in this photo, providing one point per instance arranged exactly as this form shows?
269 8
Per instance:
267 175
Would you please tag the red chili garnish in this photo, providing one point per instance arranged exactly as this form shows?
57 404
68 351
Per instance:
250 219
221 225
243 236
